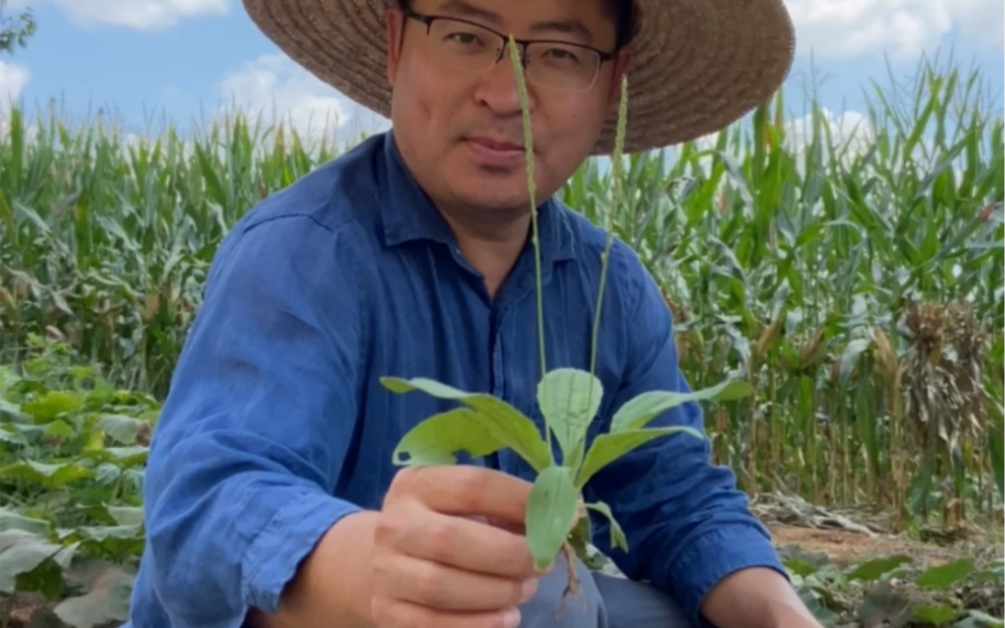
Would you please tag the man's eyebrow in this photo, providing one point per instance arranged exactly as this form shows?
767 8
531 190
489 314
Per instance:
460 8
567 27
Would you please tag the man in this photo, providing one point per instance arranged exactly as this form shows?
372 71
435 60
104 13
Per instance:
271 499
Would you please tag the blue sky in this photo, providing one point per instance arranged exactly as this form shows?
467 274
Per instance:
147 60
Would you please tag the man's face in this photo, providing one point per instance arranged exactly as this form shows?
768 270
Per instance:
461 131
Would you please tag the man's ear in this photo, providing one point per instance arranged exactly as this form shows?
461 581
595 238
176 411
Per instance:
622 63
394 25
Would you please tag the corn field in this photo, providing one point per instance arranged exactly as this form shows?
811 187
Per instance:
856 280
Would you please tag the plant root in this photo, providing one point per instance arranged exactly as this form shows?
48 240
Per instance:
573 586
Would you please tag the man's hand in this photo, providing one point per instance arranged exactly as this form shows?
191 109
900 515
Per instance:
757 598
437 563
429 558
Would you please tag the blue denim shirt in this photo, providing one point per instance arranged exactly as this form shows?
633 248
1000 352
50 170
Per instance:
276 425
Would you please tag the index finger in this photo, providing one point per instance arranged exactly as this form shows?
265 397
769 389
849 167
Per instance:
468 491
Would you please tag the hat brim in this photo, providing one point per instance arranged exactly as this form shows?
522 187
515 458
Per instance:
697 65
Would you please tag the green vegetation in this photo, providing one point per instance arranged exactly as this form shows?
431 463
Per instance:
856 284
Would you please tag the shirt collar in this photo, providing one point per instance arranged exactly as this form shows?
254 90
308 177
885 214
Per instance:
408 214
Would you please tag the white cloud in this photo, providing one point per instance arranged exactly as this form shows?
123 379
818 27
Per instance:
13 79
139 14
275 89
981 21
902 28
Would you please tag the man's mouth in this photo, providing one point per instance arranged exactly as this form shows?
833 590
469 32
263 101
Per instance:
496 145
495 153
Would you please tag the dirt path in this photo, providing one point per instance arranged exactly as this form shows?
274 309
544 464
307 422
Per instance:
847 547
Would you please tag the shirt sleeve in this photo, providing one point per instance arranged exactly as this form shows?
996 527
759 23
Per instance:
253 435
687 524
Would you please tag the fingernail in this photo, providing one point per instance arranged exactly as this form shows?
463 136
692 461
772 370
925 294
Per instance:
529 589
511 618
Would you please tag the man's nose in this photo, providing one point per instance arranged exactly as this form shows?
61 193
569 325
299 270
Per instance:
498 88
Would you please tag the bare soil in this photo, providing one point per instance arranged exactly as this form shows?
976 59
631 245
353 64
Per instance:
847 547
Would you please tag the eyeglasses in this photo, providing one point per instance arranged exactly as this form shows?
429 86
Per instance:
471 47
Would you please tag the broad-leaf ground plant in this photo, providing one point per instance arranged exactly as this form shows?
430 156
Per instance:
568 398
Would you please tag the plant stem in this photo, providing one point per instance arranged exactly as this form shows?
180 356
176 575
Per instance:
528 142
616 165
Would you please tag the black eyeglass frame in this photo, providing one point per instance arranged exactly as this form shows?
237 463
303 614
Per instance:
428 20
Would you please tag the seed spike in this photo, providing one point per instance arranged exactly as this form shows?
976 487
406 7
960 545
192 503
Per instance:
528 142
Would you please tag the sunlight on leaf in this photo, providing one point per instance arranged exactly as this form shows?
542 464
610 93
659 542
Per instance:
51 404
120 427
437 440
511 427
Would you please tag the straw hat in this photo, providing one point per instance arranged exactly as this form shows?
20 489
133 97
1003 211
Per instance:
698 65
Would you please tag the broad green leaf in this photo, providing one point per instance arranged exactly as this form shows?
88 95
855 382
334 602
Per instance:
22 551
569 400
436 440
120 427
609 447
100 533
14 438
46 579
551 509
123 456
802 562
503 421
10 520
127 515
944 576
120 542
885 606
980 619
934 614
59 428
51 404
618 538
874 569
106 595
48 475
12 412
639 411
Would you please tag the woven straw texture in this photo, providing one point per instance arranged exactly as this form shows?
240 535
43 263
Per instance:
698 65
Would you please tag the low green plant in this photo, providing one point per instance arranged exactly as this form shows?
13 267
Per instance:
569 400
72 452
894 590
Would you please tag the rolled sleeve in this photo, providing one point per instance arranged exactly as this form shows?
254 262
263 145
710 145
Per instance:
273 556
687 524
253 435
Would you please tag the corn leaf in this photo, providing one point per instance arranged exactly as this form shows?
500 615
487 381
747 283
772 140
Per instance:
436 440
609 447
551 509
638 412
501 420
569 400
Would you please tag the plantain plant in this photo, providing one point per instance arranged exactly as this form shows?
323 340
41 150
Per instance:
569 400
